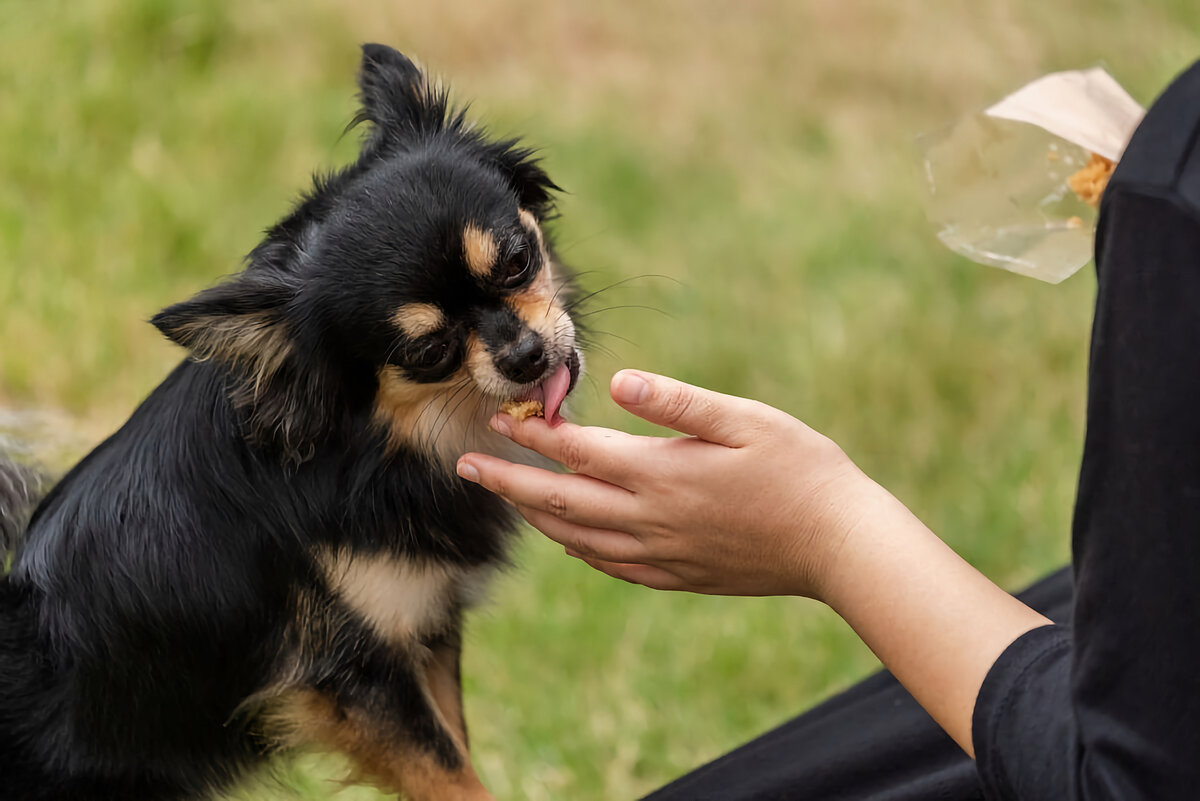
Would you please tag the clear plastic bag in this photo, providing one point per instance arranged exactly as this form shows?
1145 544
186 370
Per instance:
998 180
998 194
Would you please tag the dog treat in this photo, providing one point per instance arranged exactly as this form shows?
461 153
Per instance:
1089 182
522 410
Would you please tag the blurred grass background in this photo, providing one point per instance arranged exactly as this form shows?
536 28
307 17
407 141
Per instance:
756 153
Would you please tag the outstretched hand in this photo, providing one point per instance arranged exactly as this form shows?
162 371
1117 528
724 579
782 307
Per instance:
752 502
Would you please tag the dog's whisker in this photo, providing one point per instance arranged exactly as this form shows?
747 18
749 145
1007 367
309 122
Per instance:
396 345
442 417
576 302
428 405
590 341
602 349
480 402
641 306
447 418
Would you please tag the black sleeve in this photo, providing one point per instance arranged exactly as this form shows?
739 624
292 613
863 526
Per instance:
1110 707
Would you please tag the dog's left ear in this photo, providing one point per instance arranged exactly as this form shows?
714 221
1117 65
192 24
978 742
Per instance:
397 99
285 391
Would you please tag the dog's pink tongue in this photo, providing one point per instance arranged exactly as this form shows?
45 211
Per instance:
555 388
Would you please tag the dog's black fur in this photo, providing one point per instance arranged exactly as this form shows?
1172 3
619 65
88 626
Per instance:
211 583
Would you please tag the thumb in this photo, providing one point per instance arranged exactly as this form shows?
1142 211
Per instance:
687 409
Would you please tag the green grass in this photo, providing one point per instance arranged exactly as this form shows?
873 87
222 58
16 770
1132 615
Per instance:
756 156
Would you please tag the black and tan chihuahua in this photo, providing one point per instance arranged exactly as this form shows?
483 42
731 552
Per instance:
274 551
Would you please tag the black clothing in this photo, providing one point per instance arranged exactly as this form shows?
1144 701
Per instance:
1107 707
872 741
1112 709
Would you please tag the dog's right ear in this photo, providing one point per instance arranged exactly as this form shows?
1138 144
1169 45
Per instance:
286 390
397 98
239 322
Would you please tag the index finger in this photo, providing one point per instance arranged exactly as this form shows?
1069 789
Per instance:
574 498
611 456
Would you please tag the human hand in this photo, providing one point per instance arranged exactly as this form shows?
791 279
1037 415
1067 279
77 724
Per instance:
754 502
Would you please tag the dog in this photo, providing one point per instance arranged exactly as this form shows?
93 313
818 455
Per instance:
274 551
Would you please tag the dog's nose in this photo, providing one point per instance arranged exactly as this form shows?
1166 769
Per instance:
524 361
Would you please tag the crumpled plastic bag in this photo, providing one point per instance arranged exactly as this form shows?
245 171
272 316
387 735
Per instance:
998 181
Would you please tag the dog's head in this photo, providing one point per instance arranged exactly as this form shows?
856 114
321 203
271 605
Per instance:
415 288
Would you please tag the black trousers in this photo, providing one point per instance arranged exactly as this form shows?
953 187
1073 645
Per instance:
871 741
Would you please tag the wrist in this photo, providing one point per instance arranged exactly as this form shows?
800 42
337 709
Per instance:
873 528
853 505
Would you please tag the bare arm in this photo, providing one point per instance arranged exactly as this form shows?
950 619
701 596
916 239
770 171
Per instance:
936 622
754 502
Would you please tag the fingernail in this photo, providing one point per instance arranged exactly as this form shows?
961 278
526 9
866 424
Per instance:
629 387
467 470
501 425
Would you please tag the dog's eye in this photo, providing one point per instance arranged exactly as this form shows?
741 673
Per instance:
517 268
430 358
433 354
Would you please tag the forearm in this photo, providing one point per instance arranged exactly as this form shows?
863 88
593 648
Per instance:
933 620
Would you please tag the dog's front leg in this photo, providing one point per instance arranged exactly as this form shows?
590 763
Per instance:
406 734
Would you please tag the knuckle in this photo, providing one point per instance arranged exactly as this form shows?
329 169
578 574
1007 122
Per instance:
556 504
581 547
705 408
676 404
661 534
572 454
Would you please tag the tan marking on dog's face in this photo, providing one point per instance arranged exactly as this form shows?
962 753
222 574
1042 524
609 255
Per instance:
401 401
400 599
479 364
539 304
443 420
531 224
418 319
435 419
479 250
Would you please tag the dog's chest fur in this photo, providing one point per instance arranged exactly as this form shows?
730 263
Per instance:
403 599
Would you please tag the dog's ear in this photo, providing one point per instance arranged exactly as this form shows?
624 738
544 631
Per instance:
286 392
402 106
528 180
397 98
239 322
